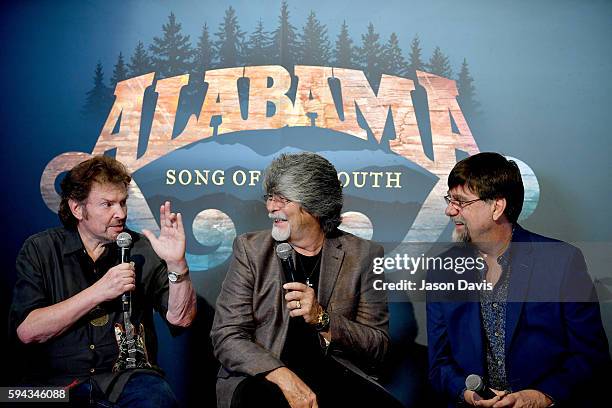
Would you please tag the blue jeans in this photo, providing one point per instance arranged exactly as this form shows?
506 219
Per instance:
141 391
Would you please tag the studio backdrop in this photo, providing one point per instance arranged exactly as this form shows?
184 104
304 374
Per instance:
196 98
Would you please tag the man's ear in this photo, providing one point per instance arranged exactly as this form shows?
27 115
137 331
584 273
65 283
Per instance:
76 208
499 206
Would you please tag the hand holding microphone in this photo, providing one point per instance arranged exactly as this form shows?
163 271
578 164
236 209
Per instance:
482 395
475 383
301 298
121 279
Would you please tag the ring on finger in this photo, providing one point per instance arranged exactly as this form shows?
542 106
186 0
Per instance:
298 305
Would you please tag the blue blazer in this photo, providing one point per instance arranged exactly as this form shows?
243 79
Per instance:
554 339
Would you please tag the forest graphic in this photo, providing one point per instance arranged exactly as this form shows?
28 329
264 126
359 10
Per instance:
173 53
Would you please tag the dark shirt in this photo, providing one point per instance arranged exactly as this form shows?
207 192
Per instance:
53 266
493 315
302 352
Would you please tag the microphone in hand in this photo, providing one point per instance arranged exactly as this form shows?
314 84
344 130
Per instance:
285 251
475 383
124 242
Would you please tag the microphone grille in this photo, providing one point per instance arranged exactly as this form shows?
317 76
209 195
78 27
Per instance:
284 251
124 240
473 382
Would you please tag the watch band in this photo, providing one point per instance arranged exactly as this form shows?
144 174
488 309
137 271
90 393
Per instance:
174 277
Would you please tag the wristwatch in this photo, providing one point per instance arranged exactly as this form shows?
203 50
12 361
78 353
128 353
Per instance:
174 277
322 323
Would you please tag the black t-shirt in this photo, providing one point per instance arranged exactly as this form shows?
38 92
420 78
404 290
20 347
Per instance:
53 266
302 352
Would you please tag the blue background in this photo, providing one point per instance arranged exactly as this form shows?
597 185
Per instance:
542 75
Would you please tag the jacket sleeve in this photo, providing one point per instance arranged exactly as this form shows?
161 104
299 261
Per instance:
444 374
233 328
585 337
365 333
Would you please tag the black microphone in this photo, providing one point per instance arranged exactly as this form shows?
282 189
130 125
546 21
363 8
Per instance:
124 241
474 382
284 251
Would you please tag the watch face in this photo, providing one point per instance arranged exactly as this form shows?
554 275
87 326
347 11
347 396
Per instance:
323 323
173 277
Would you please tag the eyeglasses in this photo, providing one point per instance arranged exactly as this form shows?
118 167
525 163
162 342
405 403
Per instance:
459 204
276 198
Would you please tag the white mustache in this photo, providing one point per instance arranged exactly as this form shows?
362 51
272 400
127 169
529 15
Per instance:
458 220
279 216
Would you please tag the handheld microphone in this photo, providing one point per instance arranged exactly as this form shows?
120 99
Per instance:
474 382
285 251
124 241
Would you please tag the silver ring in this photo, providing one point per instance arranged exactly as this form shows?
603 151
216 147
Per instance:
299 305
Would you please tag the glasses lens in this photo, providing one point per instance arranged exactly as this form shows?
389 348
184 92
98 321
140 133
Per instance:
276 198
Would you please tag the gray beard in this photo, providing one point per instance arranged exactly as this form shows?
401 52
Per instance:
463 236
281 235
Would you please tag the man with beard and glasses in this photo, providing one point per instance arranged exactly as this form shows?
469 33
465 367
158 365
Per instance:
314 342
536 338
67 312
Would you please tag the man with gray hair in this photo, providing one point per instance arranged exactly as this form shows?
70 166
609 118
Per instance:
310 339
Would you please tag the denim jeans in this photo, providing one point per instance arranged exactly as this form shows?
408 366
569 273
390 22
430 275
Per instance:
141 391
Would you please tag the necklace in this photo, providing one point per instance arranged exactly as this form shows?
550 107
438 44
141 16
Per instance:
314 268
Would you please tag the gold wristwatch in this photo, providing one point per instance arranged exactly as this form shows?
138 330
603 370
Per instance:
322 323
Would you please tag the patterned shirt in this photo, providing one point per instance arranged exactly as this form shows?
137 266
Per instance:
493 316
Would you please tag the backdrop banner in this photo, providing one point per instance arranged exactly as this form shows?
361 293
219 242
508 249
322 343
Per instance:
196 98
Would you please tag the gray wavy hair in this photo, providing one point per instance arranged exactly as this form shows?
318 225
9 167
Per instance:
309 180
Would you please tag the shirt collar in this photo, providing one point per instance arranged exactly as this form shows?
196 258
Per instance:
74 244
72 241
504 259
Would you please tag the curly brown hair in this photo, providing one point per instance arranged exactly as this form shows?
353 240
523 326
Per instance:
78 182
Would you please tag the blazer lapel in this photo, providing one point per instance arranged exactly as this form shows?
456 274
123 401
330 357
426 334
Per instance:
472 311
331 262
475 329
520 277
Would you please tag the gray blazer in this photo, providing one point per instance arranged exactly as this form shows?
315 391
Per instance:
252 319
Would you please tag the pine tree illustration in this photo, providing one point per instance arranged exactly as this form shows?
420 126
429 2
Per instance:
258 46
439 65
414 58
204 54
120 71
171 54
99 98
315 47
467 92
284 40
140 62
344 51
369 55
230 43
393 61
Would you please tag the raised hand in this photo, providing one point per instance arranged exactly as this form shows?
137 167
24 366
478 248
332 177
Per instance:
170 245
